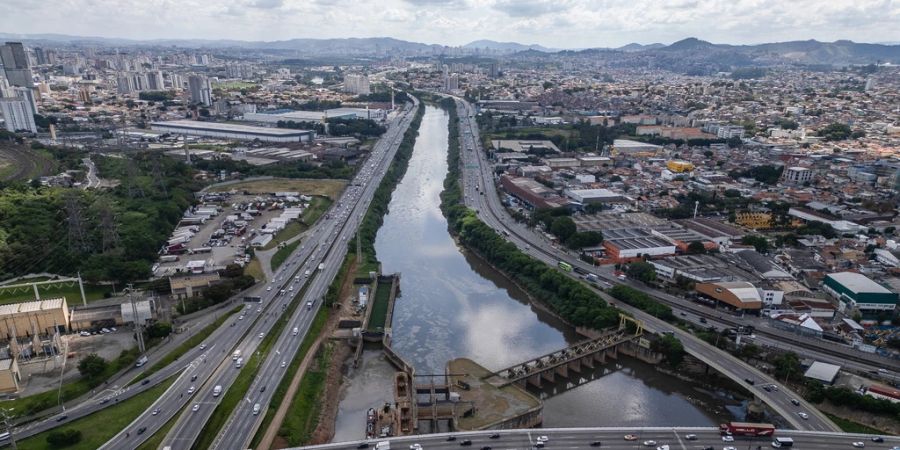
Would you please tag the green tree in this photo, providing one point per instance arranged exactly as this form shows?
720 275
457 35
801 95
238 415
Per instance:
585 239
159 330
760 243
671 349
641 271
92 367
787 366
563 227
696 248
64 438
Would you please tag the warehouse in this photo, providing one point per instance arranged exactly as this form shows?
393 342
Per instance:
585 196
34 318
737 294
230 131
634 148
858 291
530 192
627 245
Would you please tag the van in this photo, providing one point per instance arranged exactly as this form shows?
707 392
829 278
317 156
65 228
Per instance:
256 409
239 363
295 331
308 306
141 361
236 355
217 390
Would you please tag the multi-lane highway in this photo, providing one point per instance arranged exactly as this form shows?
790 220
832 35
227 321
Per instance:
215 364
243 423
480 194
615 438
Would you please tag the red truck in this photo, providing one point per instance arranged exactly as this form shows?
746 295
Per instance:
747 429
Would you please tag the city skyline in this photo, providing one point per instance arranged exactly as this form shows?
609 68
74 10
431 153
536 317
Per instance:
564 24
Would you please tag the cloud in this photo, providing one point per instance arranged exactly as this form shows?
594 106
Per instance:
267 4
531 8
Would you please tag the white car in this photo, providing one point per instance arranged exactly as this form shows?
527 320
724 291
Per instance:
803 415
261 335
415 447
649 443
190 390
542 439
727 438
269 288
283 364
202 346
196 407
859 444
729 448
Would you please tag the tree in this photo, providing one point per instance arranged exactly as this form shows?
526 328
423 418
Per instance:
760 243
671 349
159 330
749 351
787 366
835 132
585 239
563 227
696 248
641 271
92 366
64 438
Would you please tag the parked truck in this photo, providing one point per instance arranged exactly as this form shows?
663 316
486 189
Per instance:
747 429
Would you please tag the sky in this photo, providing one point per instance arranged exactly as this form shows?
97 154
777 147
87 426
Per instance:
552 23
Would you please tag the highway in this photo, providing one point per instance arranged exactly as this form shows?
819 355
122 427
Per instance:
614 438
214 365
243 423
480 194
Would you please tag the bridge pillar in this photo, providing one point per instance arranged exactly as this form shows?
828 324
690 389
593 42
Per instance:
535 380
600 356
588 361
548 375
575 365
562 370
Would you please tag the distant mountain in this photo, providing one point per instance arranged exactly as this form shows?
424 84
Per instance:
635 47
690 44
507 47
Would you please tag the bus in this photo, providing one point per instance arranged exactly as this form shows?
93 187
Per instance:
564 266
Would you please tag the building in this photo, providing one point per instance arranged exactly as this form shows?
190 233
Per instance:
535 195
822 372
358 84
585 196
124 84
35 318
737 294
524 146
200 90
634 148
730 131
155 81
230 131
18 114
841 226
16 64
630 244
9 376
858 291
754 220
193 285
797 175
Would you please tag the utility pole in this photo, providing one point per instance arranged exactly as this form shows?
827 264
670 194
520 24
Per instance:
138 327
62 370
12 440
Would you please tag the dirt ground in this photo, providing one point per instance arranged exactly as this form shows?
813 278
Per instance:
327 187
882 423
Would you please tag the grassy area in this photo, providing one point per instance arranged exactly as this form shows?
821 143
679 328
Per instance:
317 207
254 269
380 306
190 343
278 396
299 425
33 404
69 290
324 187
849 426
99 427
282 254
242 383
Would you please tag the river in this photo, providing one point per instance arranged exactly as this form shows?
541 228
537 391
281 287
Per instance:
454 305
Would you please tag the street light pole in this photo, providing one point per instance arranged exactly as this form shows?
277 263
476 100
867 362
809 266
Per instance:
9 429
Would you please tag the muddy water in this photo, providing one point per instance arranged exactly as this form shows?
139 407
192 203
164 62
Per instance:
453 305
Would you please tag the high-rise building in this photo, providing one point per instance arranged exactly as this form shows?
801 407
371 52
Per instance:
16 64
494 70
358 84
124 84
18 111
176 80
201 93
451 82
40 56
155 81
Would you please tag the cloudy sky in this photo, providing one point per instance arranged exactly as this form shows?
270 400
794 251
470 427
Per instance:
553 23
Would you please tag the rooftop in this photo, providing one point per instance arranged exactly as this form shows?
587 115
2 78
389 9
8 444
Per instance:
229 128
858 283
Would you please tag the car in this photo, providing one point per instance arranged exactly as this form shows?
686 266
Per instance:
767 388
596 444
859 444
104 401
542 439
630 437
650 443
269 288
729 448
415 447
494 436
465 443
262 389
486 447
691 437
877 439
261 335
155 412
749 381
451 438
803 415
202 346
663 447
61 418
190 390
194 377
141 430
113 329
259 310
196 407
363 445
728 438
538 445
284 364
795 402
241 317
146 381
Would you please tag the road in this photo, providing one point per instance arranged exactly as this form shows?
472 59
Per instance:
91 180
243 423
479 193
614 438
214 365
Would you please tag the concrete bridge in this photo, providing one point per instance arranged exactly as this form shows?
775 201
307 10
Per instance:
574 358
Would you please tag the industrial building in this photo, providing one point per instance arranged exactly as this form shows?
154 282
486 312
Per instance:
29 319
315 116
634 148
524 146
230 131
858 291
188 286
628 245
586 196
754 220
737 294
535 195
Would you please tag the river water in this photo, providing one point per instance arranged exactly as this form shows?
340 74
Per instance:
453 305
